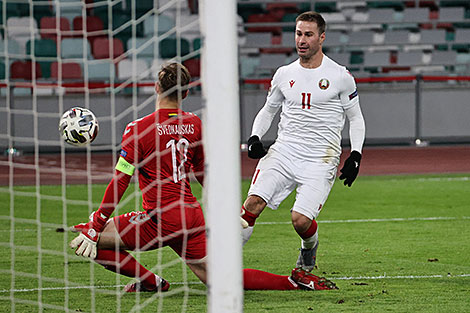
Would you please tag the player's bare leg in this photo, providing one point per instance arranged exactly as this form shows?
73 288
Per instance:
199 269
113 256
251 209
307 230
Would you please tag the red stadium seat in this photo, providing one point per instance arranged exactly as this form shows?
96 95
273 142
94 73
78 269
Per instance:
101 48
48 27
93 24
70 70
264 18
24 70
194 66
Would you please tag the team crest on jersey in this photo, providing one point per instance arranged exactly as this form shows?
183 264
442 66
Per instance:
324 83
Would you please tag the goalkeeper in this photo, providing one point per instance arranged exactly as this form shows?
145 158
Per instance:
163 148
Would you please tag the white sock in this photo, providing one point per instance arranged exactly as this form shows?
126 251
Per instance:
309 243
246 234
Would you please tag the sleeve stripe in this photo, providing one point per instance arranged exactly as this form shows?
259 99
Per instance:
125 167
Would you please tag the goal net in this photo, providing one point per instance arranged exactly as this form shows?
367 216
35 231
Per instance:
104 56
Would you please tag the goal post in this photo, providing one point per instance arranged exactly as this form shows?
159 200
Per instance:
222 137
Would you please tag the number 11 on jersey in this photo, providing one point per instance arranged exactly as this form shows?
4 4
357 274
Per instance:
306 100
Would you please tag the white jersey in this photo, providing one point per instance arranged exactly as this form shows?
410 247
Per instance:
313 102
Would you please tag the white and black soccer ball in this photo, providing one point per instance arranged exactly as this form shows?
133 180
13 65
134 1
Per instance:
78 126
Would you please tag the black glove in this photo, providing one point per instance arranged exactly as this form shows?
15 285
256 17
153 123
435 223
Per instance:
255 148
351 168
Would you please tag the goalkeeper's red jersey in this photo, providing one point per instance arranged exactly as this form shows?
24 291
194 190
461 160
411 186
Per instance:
164 147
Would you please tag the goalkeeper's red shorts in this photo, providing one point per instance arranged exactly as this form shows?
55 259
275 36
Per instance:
186 236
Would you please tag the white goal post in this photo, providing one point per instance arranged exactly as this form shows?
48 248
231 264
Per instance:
222 135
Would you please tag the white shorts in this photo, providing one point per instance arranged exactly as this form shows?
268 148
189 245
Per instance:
277 175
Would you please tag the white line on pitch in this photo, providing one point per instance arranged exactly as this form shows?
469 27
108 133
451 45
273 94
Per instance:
369 220
199 283
400 277
82 287
395 219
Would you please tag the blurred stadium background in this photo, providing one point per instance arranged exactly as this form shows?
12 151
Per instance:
411 61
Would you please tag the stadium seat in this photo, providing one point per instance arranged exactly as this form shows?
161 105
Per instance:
141 6
377 59
289 18
42 48
248 65
73 48
70 70
247 9
462 36
13 46
165 23
148 52
24 70
397 37
409 58
433 36
258 40
194 66
416 15
268 63
48 28
100 71
443 57
22 29
453 14
68 8
127 67
168 48
2 70
382 16
264 18
288 39
93 24
102 48
341 58
334 39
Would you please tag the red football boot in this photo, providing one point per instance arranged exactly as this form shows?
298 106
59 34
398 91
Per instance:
308 281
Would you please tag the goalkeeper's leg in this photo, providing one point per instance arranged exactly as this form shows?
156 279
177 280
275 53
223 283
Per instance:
121 262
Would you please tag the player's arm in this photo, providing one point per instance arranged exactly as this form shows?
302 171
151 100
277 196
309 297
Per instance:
350 100
85 243
264 119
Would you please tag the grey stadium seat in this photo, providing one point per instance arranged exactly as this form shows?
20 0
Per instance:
443 57
410 58
416 15
381 58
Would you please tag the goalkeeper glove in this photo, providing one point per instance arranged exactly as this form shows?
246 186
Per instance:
85 243
255 148
351 168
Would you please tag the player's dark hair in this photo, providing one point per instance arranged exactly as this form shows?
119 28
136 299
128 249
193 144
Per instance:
174 79
312 16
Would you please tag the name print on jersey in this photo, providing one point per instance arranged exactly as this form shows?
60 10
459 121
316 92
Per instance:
182 129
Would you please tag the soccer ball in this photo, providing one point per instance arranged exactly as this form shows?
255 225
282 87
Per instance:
78 126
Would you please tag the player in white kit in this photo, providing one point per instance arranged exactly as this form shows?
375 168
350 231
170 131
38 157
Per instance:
315 94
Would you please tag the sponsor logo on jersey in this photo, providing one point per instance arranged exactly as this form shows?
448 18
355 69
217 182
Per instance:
291 83
123 153
324 83
353 95
139 218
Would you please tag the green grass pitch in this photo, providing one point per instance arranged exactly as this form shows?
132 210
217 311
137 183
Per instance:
394 243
